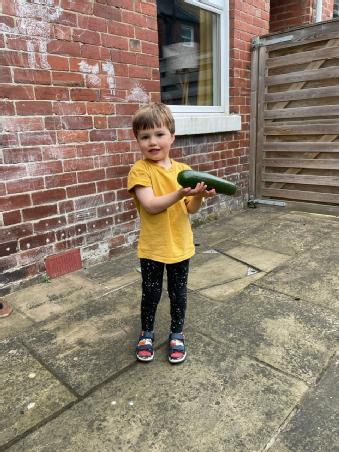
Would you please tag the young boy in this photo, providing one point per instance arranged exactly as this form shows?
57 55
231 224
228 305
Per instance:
166 237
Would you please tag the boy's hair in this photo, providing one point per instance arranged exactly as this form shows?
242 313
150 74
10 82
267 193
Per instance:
153 115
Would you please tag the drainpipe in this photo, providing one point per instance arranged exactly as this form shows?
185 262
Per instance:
319 11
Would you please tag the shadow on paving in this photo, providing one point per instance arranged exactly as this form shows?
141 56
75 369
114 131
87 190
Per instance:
261 333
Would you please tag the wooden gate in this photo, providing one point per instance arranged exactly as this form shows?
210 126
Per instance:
295 118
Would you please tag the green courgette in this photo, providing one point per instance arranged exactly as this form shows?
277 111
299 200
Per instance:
190 178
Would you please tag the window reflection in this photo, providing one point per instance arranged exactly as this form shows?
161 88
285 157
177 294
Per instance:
189 55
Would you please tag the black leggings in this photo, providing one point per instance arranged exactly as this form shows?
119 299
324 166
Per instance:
152 278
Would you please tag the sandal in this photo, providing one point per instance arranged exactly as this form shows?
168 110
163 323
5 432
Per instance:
144 348
177 351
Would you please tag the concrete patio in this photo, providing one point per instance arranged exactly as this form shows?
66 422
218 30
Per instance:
261 331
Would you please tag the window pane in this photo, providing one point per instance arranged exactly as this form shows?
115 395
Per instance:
189 54
336 8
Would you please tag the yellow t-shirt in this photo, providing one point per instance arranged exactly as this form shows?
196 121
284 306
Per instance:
166 236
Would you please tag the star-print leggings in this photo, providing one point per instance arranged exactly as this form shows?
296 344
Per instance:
152 278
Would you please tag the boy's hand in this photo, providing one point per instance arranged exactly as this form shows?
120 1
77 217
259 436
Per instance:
199 190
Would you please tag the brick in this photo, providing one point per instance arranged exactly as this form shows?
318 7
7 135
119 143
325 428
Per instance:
36 241
61 180
8 203
50 224
120 29
119 122
67 79
22 124
114 42
84 94
32 76
44 168
102 223
36 213
15 232
22 155
66 108
103 135
130 17
100 108
10 172
37 138
98 53
78 164
87 37
25 185
52 123
48 196
16 92
82 6
92 23
104 161
67 18
91 149
118 147
58 63
5 75
77 122
117 171
19 274
51 93
62 33
100 122
8 139
66 206
125 134
33 108
71 136
107 185
81 190
88 202
6 108
108 12
64 48
12 58
92 175
13 217
59 152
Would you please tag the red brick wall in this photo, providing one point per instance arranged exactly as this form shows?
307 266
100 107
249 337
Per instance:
72 73
290 13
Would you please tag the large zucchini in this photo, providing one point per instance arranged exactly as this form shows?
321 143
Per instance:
190 178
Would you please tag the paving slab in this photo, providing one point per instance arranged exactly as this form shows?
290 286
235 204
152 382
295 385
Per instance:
217 402
315 426
294 336
44 301
312 275
117 272
14 325
88 345
285 234
29 392
223 292
227 226
211 269
260 258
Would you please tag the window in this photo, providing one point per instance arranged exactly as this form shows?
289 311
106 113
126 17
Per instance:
336 8
193 53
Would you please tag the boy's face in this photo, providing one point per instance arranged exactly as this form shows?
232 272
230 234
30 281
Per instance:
155 144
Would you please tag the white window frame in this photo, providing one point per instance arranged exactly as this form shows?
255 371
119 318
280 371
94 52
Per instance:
195 119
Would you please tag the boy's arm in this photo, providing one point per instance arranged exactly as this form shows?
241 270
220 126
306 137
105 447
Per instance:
195 201
156 204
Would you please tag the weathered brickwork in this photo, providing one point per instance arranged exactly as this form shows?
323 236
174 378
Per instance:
290 13
72 73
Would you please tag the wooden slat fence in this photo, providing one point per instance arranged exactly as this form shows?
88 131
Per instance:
295 116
